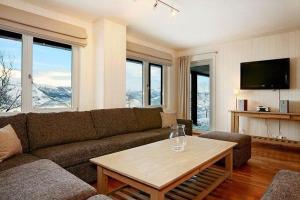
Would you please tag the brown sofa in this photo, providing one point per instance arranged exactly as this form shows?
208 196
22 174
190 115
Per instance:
43 180
70 139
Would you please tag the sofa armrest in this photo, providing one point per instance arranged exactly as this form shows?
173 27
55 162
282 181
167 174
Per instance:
188 125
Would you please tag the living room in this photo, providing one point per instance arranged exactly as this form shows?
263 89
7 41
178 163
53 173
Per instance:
149 99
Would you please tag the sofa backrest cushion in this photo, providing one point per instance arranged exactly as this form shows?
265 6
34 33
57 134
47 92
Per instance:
48 129
148 118
18 122
110 122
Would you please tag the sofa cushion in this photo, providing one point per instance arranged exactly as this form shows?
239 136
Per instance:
148 118
18 122
17 160
68 155
10 144
47 129
110 122
285 186
43 180
240 139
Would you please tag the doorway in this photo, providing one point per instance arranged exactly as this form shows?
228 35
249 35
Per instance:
200 96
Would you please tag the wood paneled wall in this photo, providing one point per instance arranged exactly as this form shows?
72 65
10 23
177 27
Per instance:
228 60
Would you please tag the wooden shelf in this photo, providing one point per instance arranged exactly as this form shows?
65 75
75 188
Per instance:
274 141
197 187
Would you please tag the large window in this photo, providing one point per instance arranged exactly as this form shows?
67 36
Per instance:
51 75
155 84
134 83
35 74
10 71
144 84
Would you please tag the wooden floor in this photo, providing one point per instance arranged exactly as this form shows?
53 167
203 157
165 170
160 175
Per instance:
251 181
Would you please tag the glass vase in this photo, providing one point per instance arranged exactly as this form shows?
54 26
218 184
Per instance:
178 137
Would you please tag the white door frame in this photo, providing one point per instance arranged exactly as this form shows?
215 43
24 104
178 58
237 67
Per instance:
211 57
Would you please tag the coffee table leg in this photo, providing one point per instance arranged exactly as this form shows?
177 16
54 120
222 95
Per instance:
102 181
229 163
157 196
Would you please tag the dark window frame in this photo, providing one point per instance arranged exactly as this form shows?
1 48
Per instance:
194 93
10 35
149 82
50 43
135 61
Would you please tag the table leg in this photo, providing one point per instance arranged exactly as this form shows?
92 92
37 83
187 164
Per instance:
157 196
229 163
234 123
102 181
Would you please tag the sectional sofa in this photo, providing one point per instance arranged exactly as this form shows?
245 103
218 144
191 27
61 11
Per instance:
70 139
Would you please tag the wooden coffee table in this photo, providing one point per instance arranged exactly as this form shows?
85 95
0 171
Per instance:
155 171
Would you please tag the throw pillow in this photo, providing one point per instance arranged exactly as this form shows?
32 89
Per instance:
168 119
10 144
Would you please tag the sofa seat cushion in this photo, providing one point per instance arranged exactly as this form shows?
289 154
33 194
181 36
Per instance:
48 129
111 122
285 186
18 122
43 180
148 118
17 160
240 139
68 155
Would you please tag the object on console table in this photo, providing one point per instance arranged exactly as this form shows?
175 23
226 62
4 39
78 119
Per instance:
263 109
243 105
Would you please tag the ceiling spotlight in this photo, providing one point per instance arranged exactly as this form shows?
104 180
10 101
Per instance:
155 4
174 11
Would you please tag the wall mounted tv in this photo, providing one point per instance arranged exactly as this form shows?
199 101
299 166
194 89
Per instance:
266 74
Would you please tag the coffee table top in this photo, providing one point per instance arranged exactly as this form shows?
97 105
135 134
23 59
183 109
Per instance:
157 165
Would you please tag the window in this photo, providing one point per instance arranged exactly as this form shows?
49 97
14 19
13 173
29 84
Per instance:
155 84
10 71
144 84
51 75
36 74
134 83
200 97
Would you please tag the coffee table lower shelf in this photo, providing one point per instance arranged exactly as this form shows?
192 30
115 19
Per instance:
197 187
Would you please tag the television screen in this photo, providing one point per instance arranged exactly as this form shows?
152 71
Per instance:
266 74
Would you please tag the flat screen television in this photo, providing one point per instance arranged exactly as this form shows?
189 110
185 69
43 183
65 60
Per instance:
266 74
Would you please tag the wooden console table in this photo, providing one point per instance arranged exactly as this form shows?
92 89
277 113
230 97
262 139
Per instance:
261 115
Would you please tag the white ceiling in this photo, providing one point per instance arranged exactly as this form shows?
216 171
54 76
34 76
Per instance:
199 22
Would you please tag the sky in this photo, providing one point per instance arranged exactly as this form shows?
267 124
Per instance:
203 84
134 77
51 66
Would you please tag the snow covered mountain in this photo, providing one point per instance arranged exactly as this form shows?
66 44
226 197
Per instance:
45 96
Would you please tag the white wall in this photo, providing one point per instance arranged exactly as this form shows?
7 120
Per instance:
228 60
110 62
